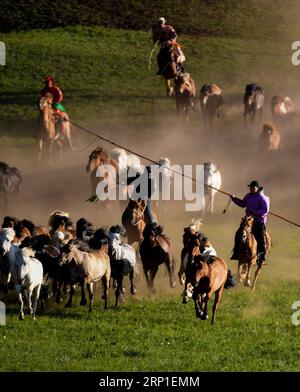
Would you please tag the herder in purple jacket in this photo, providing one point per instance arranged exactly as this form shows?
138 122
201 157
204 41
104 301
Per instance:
258 205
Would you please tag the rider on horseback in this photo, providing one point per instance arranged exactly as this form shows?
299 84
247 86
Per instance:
167 36
257 204
57 96
147 191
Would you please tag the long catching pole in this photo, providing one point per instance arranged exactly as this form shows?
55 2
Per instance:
170 169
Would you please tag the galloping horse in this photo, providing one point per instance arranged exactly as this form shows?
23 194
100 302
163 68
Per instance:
98 159
10 182
46 129
154 251
282 108
133 221
247 256
167 64
254 99
210 101
269 139
185 91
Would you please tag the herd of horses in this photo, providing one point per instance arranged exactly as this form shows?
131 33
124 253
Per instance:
38 261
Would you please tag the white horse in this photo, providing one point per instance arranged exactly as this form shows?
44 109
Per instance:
20 266
212 178
123 261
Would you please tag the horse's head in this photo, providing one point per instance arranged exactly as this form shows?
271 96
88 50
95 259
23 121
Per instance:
97 157
137 208
46 101
247 224
6 237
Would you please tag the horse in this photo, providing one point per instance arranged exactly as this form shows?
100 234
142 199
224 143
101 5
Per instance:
270 138
98 165
213 182
194 242
154 251
86 267
167 63
122 261
247 255
282 108
133 221
46 133
254 99
185 91
10 182
211 99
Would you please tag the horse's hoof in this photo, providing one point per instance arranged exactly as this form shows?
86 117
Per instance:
247 283
33 318
83 302
204 316
185 300
123 290
173 285
21 316
133 291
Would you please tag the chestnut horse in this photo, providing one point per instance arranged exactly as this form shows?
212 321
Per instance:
247 256
269 139
154 251
185 91
133 221
206 274
98 159
282 108
46 129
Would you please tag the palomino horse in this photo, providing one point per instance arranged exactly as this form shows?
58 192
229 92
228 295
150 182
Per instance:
46 129
282 108
269 139
247 256
101 167
210 101
185 91
254 99
154 251
167 60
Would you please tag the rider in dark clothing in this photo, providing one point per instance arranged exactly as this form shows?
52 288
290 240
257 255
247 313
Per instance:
257 204
147 191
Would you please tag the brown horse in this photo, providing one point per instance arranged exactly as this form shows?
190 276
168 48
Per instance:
185 91
167 60
209 276
210 101
98 159
247 256
133 221
269 139
154 251
282 108
46 129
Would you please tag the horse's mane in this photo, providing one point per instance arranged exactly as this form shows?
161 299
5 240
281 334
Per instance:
269 128
196 225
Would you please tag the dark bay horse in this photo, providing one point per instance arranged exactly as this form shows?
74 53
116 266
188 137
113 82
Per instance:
154 251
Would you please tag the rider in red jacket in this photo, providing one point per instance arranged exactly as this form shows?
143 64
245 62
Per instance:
57 96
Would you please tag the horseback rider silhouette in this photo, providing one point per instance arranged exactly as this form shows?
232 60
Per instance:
257 204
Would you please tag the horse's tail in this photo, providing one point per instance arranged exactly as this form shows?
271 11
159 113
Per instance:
230 282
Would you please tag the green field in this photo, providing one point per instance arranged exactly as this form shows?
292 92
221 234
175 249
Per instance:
103 72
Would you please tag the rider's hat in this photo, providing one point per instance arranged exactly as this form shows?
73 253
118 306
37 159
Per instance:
49 79
161 19
254 183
